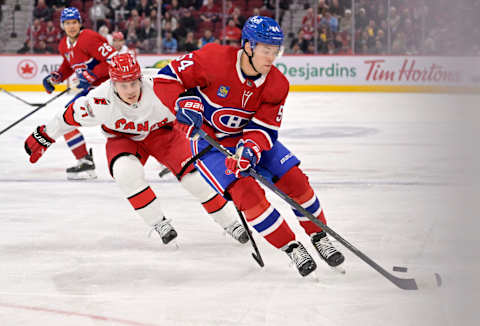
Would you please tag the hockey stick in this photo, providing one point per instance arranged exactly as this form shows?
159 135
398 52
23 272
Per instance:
19 98
402 283
256 255
32 112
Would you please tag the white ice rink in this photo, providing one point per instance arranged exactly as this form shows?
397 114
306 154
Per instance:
395 173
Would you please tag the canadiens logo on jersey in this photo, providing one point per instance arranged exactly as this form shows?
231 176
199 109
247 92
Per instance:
231 121
223 91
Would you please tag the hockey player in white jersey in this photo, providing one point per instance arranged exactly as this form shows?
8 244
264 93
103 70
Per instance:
137 125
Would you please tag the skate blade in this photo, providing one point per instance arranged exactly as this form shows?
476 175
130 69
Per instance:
173 244
86 175
338 269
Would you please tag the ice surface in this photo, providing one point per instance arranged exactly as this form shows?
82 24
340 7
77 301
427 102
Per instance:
397 175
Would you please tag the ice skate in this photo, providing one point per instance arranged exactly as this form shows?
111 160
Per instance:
327 251
165 230
84 170
238 232
300 257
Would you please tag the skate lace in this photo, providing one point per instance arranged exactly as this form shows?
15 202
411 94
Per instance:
162 227
325 247
235 230
299 256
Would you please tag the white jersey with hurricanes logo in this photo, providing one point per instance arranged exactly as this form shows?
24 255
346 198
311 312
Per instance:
102 106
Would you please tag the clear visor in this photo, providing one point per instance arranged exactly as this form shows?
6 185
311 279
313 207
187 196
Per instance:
269 50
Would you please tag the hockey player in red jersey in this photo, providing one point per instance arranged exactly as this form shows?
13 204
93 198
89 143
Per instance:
84 53
137 125
237 97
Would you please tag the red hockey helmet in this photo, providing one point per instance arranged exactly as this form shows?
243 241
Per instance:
124 67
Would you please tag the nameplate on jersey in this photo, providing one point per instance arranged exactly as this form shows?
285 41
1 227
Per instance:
230 120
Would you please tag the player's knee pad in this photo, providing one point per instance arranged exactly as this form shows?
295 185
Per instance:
195 184
295 183
129 174
246 193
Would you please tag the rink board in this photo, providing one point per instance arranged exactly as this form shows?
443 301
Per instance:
306 73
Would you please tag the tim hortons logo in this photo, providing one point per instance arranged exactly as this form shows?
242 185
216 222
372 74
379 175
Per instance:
410 71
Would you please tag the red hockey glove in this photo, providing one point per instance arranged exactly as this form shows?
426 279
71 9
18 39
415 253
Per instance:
189 114
37 143
246 155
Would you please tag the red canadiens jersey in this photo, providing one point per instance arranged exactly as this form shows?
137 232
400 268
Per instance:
235 107
90 51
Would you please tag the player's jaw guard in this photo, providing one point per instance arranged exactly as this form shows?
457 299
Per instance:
260 29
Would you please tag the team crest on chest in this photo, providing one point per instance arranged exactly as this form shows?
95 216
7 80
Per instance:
230 120
223 91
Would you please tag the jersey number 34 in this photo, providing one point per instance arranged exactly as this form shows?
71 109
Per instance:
184 64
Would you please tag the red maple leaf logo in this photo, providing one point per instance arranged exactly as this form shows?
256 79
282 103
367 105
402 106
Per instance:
27 69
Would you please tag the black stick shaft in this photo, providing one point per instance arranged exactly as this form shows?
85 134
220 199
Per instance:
256 255
403 283
32 112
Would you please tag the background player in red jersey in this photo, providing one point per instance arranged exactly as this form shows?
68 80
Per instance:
137 125
84 53
237 97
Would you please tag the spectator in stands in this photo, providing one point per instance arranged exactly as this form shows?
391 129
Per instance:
27 46
118 42
133 22
148 36
132 39
187 24
337 8
379 47
300 41
105 32
175 9
232 34
322 7
42 11
98 14
52 36
189 44
144 8
331 21
284 6
371 30
238 18
206 38
170 44
121 11
346 22
35 34
209 14
361 19
296 49
395 19
168 18
399 44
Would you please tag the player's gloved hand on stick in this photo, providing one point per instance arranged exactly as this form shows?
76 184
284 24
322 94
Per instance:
189 114
50 81
85 78
247 154
37 143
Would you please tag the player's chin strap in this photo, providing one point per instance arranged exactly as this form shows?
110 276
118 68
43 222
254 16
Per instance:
250 59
